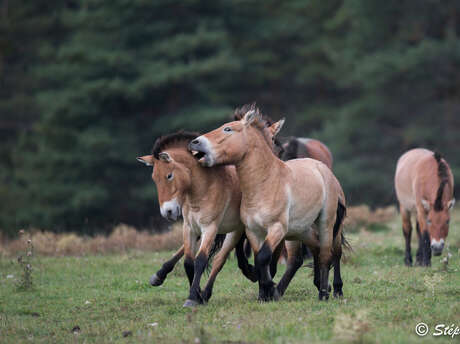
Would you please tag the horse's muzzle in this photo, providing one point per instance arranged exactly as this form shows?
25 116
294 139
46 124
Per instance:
200 150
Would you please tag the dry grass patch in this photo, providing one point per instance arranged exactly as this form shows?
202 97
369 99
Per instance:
122 238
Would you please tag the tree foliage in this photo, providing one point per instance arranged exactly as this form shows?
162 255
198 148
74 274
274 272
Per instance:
86 86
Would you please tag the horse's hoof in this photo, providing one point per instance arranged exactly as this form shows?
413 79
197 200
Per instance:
191 303
156 281
338 294
323 295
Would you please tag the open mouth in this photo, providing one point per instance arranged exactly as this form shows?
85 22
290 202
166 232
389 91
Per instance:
200 156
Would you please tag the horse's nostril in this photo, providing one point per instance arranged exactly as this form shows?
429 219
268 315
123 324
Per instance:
169 212
195 142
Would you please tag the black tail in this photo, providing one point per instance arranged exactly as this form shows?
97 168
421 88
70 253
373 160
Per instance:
218 242
341 213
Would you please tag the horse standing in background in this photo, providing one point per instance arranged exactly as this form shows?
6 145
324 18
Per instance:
298 148
299 200
424 185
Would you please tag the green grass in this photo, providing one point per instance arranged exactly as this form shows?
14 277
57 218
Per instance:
383 299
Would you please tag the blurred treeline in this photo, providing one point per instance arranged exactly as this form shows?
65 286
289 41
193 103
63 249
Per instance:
87 85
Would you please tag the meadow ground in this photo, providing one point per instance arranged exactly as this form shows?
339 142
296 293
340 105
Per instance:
107 298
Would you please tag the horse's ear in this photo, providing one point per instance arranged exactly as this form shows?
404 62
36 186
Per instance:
451 204
165 157
146 159
426 205
276 127
250 117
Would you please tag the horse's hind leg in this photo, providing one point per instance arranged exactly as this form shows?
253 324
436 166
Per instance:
294 262
338 283
229 244
159 277
407 231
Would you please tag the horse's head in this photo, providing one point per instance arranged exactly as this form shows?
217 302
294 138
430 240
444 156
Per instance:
229 143
437 220
171 172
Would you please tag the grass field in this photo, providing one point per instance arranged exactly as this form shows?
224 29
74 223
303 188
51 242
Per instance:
108 298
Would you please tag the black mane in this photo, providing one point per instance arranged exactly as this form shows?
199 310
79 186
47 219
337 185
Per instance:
443 180
181 138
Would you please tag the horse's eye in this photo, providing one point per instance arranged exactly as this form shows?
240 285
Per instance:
169 176
447 222
227 129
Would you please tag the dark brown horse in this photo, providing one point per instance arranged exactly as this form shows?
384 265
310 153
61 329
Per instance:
299 148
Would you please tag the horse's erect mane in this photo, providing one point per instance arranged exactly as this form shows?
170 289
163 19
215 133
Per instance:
261 123
443 180
179 139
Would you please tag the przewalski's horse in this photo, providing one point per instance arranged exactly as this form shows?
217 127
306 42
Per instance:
424 185
299 200
299 147
208 199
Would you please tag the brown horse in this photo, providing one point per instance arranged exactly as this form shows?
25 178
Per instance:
299 147
299 200
424 185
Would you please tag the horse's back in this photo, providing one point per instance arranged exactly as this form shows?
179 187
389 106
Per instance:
317 179
317 150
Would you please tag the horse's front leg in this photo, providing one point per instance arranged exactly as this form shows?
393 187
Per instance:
424 238
158 278
190 244
208 236
263 257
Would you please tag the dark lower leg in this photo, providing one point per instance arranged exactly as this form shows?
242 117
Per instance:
316 277
324 283
189 268
419 253
199 267
159 277
276 256
262 262
295 261
407 237
247 269
338 284
426 249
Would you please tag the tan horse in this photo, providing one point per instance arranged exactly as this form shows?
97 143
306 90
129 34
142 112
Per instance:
424 185
299 200
209 200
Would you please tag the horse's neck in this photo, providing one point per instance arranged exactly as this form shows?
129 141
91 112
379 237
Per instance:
203 179
258 170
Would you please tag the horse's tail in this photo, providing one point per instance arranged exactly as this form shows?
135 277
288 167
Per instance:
216 246
341 213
